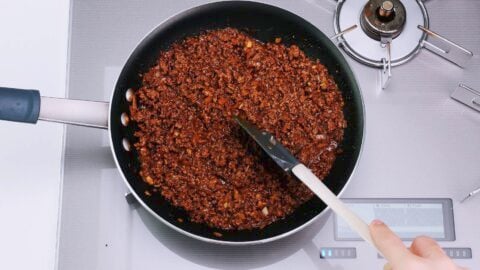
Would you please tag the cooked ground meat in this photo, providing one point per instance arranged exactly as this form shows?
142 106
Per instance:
196 155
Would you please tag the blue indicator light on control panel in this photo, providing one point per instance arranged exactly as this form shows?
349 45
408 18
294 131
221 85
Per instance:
338 253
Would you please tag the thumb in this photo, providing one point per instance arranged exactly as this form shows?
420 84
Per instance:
388 243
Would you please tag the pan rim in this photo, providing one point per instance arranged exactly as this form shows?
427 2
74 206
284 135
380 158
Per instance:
218 241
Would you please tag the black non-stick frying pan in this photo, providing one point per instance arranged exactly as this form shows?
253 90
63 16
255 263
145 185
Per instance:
261 21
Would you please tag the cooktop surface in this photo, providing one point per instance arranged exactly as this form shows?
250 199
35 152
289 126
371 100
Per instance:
420 156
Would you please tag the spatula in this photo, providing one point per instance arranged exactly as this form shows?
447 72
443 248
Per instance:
289 163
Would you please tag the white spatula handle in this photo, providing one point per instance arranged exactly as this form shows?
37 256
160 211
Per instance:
330 199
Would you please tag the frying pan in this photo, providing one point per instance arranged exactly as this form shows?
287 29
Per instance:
263 22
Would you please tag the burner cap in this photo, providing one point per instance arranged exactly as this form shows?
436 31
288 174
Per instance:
383 18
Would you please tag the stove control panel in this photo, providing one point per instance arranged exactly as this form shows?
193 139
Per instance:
407 217
454 253
351 253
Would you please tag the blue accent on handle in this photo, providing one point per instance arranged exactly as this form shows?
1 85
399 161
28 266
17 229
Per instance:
19 105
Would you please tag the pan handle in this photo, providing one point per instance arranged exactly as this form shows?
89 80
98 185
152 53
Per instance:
27 106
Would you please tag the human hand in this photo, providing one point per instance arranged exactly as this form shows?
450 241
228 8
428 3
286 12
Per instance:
424 253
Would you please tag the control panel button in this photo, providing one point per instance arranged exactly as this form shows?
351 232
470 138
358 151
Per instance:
458 253
338 253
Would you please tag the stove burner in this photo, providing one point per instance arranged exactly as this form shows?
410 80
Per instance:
388 39
381 21
383 18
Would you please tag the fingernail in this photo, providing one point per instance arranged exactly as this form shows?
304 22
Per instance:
376 222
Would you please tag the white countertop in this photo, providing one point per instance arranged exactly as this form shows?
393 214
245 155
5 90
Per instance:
33 53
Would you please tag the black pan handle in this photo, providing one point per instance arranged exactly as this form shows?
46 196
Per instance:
19 105
28 106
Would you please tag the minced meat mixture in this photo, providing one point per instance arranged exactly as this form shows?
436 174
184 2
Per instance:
196 155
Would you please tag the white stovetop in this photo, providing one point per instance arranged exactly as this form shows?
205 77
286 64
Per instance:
33 53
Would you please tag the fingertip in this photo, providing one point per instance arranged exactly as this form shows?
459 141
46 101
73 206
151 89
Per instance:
377 227
387 242
376 222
